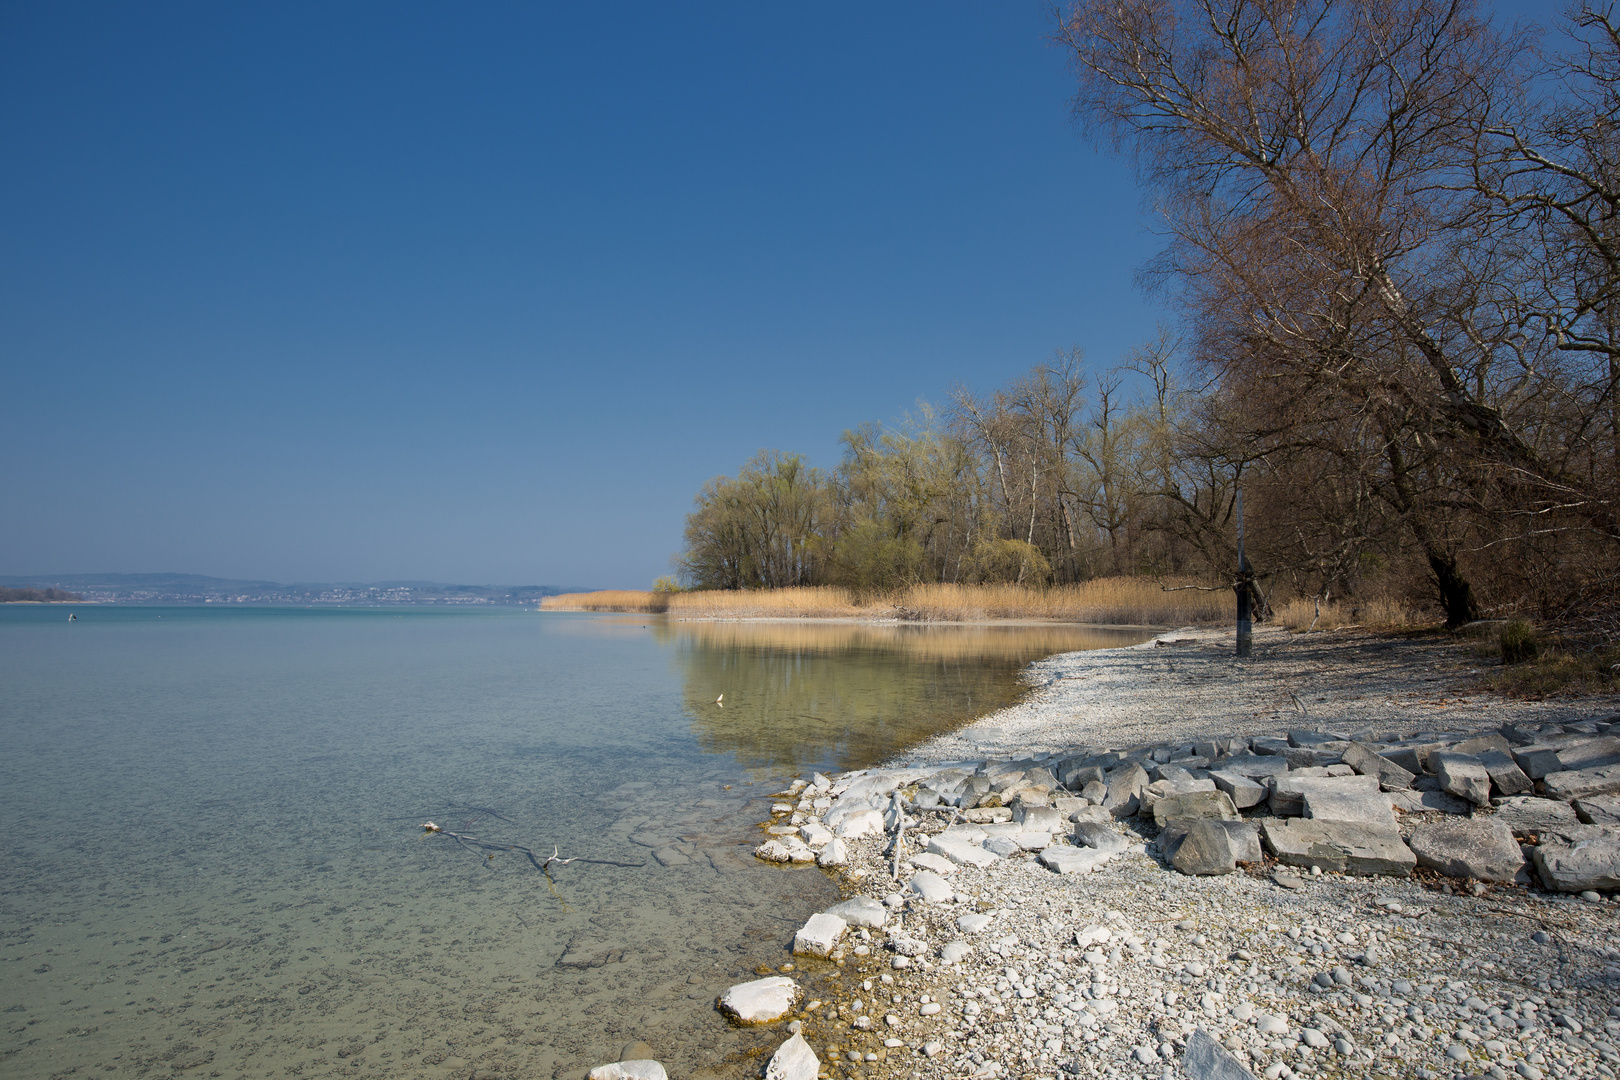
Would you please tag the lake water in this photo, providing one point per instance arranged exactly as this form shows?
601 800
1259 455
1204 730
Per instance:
212 864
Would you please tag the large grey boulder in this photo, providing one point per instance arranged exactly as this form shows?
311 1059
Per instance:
1481 744
1431 802
1073 860
1581 858
1339 846
1370 808
793 1060
1306 737
1598 809
1590 753
1463 775
1163 789
1288 792
1506 776
1125 791
861 911
1252 765
1580 783
1525 813
1195 804
1481 847
1305 757
1206 1059
1038 819
1244 837
1095 835
760 1001
1243 792
1537 759
1206 849
1369 762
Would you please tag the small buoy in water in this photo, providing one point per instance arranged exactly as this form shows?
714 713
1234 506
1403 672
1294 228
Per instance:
72 617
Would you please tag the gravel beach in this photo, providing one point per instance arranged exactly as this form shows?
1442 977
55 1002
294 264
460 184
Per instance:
1068 888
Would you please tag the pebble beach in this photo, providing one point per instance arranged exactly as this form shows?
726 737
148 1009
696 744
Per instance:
1169 863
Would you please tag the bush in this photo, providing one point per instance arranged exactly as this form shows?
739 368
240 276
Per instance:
1518 643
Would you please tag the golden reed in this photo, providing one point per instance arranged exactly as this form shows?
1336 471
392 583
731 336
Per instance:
1119 600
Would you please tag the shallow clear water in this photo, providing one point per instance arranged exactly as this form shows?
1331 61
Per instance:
212 867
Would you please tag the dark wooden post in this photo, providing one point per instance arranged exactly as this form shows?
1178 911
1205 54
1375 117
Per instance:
1245 596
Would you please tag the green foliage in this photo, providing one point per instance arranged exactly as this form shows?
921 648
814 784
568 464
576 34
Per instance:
1010 562
870 559
667 584
1518 643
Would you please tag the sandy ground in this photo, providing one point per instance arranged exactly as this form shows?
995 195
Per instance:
1188 684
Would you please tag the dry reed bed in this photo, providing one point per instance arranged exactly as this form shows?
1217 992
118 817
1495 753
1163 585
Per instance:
915 641
1120 601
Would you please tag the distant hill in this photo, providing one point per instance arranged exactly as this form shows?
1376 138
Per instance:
198 589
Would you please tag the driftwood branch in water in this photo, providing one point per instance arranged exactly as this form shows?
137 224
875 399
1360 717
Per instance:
541 863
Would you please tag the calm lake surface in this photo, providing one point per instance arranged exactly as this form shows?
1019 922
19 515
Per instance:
212 864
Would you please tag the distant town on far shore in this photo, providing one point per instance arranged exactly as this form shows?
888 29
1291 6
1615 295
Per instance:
198 589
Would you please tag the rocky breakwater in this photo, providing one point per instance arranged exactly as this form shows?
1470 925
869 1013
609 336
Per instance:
1364 903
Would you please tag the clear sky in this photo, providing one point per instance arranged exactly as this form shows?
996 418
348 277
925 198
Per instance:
483 293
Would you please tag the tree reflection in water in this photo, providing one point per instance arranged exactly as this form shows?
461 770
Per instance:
805 695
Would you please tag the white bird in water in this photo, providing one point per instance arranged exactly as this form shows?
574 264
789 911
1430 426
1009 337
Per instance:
721 701
72 617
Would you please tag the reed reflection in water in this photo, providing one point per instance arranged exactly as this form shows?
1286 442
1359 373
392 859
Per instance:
826 696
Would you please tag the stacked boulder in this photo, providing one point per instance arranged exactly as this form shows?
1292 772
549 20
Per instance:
1498 807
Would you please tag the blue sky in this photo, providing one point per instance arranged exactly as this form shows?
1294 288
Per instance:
483 293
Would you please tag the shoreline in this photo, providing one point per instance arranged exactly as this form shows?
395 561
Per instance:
981 969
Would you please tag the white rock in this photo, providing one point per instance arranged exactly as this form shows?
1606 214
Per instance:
972 924
931 887
961 851
774 851
939 864
816 835
819 935
859 824
1271 1025
861 911
955 952
1092 935
760 1001
1072 860
642 1069
793 1060
834 854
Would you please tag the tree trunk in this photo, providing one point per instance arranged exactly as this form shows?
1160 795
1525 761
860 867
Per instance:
1456 594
